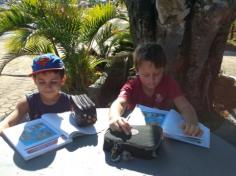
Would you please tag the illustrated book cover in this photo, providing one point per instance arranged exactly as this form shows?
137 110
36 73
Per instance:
51 131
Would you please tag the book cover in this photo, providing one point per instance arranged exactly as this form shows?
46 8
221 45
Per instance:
171 122
34 138
50 132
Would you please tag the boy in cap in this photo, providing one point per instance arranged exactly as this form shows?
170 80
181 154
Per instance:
48 73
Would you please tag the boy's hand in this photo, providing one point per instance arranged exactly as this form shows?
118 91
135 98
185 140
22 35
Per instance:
191 129
120 124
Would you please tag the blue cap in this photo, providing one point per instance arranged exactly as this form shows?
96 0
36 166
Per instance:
46 62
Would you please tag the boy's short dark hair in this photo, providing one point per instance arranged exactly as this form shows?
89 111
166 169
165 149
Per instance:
151 52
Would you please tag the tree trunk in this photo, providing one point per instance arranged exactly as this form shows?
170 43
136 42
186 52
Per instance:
203 51
193 34
142 16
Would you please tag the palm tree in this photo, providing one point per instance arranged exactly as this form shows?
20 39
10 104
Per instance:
84 38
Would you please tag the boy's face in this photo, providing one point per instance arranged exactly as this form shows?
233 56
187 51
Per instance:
49 83
149 75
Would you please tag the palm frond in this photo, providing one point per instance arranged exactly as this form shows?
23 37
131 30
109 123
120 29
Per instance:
62 25
59 26
100 39
38 44
81 69
94 62
94 19
13 19
17 40
122 42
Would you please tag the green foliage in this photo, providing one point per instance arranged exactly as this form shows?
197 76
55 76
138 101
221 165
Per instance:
38 44
232 34
123 42
84 38
13 19
94 19
79 63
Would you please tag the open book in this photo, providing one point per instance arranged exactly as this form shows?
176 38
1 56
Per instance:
171 122
51 131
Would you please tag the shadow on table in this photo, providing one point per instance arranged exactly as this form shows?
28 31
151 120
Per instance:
37 163
82 141
46 159
149 167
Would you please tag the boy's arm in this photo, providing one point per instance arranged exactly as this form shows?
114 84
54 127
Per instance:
117 109
16 116
188 112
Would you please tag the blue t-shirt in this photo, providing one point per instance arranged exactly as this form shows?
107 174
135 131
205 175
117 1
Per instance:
38 108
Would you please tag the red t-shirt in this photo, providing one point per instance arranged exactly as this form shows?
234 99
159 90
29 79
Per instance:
166 91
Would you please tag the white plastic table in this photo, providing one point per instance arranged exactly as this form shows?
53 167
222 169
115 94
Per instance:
85 156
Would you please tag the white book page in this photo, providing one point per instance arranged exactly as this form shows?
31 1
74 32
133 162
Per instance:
172 124
172 128
170 121
142 115
66 123
61 121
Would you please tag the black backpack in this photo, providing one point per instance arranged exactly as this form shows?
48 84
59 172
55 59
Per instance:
143 142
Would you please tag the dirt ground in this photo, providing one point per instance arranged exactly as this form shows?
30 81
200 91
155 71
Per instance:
225 98
225 94
225 89
224 122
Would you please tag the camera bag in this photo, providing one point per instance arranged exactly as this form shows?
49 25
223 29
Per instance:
84 109
142 143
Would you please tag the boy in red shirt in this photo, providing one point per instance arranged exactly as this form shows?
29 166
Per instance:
154 88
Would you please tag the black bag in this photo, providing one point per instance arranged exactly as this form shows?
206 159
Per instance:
84 109
143 142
